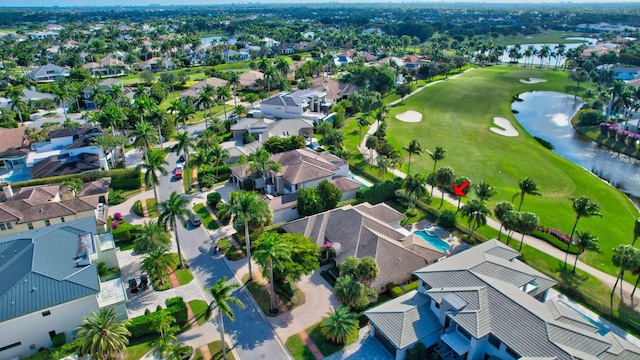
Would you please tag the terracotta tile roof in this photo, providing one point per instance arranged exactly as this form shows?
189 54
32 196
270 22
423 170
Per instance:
12 138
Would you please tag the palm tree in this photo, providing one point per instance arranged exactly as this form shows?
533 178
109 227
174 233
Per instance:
103 335
223 299
151 239
586 241
340 325
362 123
414 148
367 270
223 95
260 162
438 154
184 143
626 257
144 136
269 250
382 165
415 187
499 211
583 207
157 265
527 186
105 142
476 212
484 191
528 223
154 164
244 207
172 211
164 326
348 290
18 105
219 155
234 82
444 176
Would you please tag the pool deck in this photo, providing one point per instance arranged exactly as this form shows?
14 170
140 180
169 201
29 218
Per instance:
457 245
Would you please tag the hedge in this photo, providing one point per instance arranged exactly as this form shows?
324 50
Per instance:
394 290
137 208
59 340
127 183
380 192
85 177
213 199
144 324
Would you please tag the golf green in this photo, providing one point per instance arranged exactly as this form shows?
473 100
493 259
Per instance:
457 115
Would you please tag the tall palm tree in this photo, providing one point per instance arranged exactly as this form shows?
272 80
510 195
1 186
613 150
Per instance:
105 142
484 191
527 186
223 299
233 83
499 211
151 238
144 136
626 257
438 154
185 113
444 177
528 223
219 155
223 95
586 241
268 250
583 207
18 105
172 211
260 162
414 148
415 187
157 265
154 164
382 165
476 212
184 143
103 335
246 207
340 325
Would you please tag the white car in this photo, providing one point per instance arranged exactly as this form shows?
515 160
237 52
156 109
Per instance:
180 166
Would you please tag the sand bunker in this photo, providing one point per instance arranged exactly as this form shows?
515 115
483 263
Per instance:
505 128
410 116
532 81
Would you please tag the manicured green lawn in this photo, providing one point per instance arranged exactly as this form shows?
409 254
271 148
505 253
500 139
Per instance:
207 220
547 37
140 346
229 250
298 349
184 276
199 308
152 207
457 115
216 350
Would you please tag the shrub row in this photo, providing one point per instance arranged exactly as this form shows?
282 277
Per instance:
137 208
207 176
144 324
380 192
396 291
85 177
127 183
552 236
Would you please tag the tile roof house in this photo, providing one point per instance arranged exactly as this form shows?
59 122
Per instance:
195 90
368 230
34 207
48 73
49 281
484 303
248 79
262 128
335 90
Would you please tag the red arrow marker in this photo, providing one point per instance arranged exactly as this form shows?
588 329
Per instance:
459 190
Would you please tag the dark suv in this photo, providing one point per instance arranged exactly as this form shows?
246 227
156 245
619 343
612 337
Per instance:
195 220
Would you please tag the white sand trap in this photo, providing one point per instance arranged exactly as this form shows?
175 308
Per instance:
533 81
410 116
505 128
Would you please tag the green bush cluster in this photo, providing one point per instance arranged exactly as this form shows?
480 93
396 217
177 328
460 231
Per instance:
213 199
207 176
137 208
380 192
447 219
125 232
59 340
85 177
127 183
590 117
143 324
395 290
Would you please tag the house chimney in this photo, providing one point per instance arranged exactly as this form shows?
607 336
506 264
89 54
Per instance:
7 190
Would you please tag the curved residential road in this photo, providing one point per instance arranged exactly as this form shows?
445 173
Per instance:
541 245
250 335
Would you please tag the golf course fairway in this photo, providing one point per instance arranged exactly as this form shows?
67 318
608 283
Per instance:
457 115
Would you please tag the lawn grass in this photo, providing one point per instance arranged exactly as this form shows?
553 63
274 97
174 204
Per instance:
152 207
298 348
199 308
458 114
216 350
260 294
207 220
140 346
229 251
184 276
547 37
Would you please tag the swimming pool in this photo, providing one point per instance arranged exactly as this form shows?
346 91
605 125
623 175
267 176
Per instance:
603 329
432 238
360 179
17 176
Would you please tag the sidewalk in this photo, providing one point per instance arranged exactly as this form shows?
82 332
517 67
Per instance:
534 242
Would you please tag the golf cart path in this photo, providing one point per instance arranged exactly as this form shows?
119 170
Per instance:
609 280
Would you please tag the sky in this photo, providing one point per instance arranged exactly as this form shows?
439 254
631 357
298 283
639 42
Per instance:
65 3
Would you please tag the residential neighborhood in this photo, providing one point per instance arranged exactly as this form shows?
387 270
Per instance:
319 181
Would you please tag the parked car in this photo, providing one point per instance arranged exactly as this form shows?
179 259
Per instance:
178 174
195 220
180 166
181 159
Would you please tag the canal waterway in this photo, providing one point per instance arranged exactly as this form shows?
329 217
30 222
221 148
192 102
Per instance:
547 115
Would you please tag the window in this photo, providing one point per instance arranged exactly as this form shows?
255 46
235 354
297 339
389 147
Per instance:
464 333
30 226
512 353
437 304
62 219
9 226
46 313
52 334
47 223
2 227
10 346
494 341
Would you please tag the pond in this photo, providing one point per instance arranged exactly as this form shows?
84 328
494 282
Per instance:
537 60
206 41
547 115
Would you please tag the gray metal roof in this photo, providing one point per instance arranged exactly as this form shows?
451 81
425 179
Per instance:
406 319
37 269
